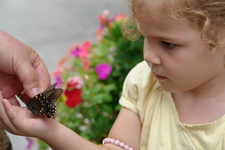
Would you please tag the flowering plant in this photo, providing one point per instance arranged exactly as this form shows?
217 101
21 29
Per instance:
92 76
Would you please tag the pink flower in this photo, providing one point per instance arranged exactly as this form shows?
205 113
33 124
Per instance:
75 82
99 32
104 19
30 143
120 16
83 52
84 49
57 74
105 22
58 79
76 52
103 70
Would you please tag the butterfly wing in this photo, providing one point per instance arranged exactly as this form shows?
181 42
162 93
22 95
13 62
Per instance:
35 104
55 95
45 102
51 100
49 90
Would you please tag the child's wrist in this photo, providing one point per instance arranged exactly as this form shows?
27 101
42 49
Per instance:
48 131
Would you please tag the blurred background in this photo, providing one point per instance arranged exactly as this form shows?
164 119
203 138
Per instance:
51 26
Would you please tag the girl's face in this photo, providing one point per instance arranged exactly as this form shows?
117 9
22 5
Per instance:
180 60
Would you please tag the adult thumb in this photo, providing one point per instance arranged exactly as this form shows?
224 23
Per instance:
34 76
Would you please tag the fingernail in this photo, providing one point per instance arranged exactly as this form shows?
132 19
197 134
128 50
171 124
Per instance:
35 91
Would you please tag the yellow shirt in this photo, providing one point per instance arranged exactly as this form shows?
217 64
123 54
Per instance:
161 128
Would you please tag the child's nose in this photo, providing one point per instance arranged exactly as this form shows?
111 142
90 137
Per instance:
151 55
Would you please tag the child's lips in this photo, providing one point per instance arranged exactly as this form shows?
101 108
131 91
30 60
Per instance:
160 77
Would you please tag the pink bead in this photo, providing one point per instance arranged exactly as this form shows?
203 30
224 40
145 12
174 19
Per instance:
117 142
126 147
122 144
104 141
112 141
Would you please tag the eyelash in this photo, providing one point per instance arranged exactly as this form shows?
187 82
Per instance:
168 45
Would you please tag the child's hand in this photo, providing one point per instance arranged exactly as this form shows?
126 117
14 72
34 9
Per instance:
20 121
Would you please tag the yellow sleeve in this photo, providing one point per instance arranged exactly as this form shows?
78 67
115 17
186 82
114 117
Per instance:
133 86
129 94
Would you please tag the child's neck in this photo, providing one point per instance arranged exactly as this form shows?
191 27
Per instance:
200 107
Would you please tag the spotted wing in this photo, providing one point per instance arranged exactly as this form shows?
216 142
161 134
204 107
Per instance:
34 104
49 90
45 102
51 100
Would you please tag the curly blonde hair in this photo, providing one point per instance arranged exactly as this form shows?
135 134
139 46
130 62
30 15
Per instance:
208 16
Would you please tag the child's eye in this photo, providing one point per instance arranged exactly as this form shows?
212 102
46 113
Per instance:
168 45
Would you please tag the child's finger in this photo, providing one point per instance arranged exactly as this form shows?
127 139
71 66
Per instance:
12 116
19 125
2 109
7 115
4 120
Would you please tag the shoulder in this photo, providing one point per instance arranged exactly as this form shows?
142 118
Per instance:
141 76
139 83
139 69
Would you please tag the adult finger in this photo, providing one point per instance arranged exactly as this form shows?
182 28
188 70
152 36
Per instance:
22 61
33 75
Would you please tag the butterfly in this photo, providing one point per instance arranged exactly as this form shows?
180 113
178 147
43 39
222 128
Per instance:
45 102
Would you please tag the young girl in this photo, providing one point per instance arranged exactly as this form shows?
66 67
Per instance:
175 99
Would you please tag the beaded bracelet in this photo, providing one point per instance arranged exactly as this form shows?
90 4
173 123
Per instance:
116 142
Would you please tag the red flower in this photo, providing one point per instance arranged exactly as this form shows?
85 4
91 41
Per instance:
73 97
73 92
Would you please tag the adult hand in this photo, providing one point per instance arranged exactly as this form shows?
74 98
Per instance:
21 68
